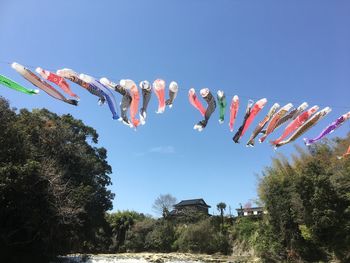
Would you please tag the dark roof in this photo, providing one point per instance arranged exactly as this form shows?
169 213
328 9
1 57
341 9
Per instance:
192 202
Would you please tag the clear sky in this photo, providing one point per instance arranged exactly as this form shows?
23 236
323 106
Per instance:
283 50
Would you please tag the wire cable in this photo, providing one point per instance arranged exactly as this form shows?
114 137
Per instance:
227 94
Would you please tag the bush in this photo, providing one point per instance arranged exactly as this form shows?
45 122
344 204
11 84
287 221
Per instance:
245 230
136 237
161 237
202 238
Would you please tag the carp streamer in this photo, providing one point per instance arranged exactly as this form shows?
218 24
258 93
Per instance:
306 126
233 111
262 124
296 123
159 90
246 116
14 85
173 90
41 84
59 81
329 129
222 105
209 98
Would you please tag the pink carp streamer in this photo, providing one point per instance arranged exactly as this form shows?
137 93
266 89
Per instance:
59 81
135 95
262 124
296 123
258 106
329 129
195 102
233 111
275 119
159 90
306 126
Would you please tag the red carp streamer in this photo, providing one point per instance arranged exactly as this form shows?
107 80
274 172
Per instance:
258 106
59 81
295 124
275 119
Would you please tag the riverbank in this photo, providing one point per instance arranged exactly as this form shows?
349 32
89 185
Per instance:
155 258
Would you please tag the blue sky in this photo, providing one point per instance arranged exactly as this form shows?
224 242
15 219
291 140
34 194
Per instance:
286 51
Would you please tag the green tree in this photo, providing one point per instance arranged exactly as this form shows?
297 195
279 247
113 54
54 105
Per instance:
308 203
53 186
137 235
120 223
162 236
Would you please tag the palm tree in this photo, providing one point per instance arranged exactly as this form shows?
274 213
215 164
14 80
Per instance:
221 207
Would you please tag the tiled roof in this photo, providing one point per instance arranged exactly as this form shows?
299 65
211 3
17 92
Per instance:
192 202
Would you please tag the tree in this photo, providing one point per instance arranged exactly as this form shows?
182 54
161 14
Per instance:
120 223
307 200
221 208
163 204
137 236
161 237
53 186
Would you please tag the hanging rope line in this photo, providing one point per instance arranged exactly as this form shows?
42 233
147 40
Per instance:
227 94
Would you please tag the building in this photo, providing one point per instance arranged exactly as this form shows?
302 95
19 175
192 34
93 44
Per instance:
191 205
250 211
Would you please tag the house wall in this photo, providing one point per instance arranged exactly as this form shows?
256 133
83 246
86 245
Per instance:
250 212
193 208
